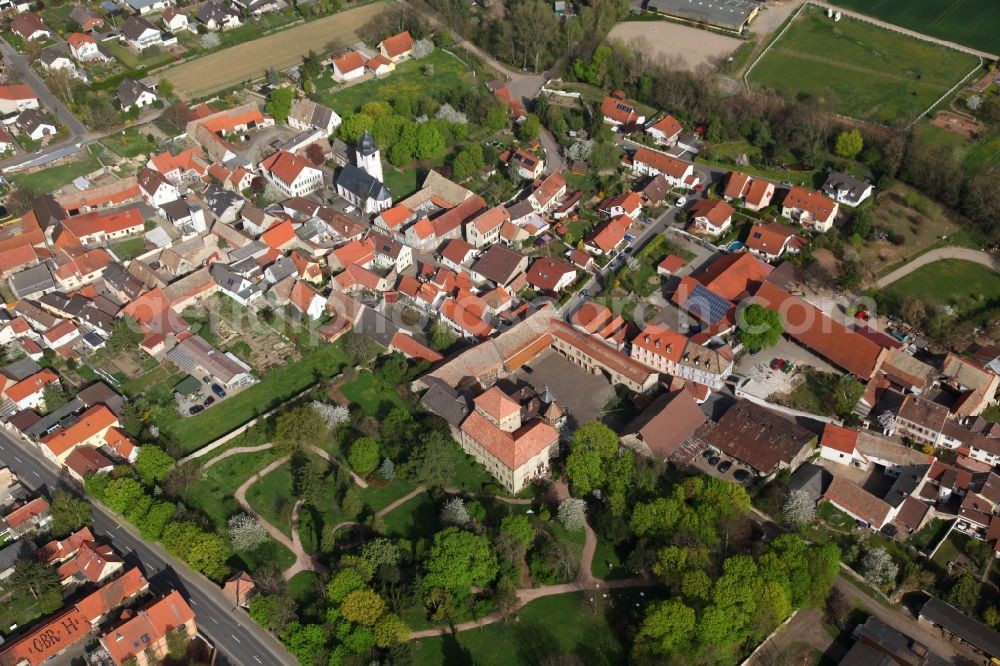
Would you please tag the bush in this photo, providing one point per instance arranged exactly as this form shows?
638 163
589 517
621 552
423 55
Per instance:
364 455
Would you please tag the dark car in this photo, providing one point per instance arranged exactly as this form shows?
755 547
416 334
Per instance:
713 461
217 390
206 378
741 475
707 453
194 410
208 401
724 466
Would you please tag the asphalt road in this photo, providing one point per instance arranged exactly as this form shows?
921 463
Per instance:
240 642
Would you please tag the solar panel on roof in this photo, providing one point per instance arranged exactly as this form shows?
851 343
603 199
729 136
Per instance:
707 305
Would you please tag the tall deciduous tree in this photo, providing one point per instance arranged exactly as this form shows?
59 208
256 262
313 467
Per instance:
279 106
68 513
594 445
458 560
759 327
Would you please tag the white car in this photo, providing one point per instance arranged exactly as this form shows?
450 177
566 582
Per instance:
350 209
681 202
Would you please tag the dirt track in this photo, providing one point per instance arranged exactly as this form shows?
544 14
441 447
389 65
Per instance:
691 47
280 50
963 253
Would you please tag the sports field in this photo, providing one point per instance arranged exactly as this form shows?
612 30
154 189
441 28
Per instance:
973 23
229 67
860 70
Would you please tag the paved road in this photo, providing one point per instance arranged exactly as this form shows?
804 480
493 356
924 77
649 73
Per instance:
239 640
963 253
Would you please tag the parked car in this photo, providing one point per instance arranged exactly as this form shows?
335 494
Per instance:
218 390
862 315
585 293
206 378
196 409
707 453
714 460
724 466
350 209
209 400
681 201
741 475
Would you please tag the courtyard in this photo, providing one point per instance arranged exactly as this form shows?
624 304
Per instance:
580 393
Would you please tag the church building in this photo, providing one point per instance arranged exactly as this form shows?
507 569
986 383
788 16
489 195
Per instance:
361 183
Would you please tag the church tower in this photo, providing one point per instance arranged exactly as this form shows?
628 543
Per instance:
369 157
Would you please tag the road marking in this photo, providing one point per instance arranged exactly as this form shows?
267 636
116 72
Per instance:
258 659
234 638
36 473
129 549
17 459
118 526
213 620
192 602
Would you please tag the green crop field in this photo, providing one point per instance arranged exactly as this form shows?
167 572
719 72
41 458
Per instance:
971 23
860 70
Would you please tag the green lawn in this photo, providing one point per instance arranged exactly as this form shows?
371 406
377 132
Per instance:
213 494
18 610
607 564
835 516
129 143
158 375
51 179
377 497
546 629
950 550
472 477
402 183
645 281
150 58
929 535
416 519
864 71
278 385
410 79
985 155
968 22
271 496
129 248
372 395
962 285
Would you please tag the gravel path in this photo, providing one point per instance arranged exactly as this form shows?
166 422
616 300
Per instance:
963 253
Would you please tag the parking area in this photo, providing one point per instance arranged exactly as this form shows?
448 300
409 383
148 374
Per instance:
714 463
580 393
765 381
191 400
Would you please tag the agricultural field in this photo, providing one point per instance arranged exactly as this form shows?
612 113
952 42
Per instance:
860 70
972 23
231 66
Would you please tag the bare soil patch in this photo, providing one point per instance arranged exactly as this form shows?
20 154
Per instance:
685 45
959 124
226 68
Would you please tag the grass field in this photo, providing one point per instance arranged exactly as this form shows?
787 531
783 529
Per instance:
129 143
372 395
278 385
863 71
53 178
229 67
964 286
546 629
408 80
971 23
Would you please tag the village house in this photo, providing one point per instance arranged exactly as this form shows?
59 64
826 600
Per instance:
17 97
663 426
528 166
148 6
293 175
348 67
550 276
616 112
646 162
140 34
58 58
84 48
30 27
671 353
665 131
216 16
88 430
143 639
396 48
810 209
134 95
846 189
711 217
86 18
608 236
156 189
771 240
174 20
307 114
629 203
35 124
484 228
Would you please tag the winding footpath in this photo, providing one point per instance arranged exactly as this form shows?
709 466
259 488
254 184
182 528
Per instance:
303 560
963 253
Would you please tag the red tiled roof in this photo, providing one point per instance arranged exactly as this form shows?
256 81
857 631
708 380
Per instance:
94 420
816 204
166 162
112 595
591 316
302 295
120 442
31 385
610 233
858 501
760 193
17 257
89 224
672 263
279 236
830 339
618 110
411 348
378 61
349 62
85 460
17 91
715 211
76 39
601 352
665 164
58 550
33 509
356 252
842 439
286 166
546 272
661 341
737 185
668 125
491 219
733 275
47 640
769 238
550 187
465 318
512 449
397 45
497 404
629 201
89 564
396 216
149 625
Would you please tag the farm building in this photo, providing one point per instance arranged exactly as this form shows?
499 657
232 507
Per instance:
730 15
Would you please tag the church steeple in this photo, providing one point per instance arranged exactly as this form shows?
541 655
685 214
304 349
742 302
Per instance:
369 157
